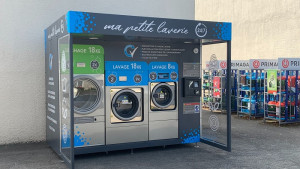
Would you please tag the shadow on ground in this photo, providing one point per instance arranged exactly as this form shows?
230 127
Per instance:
254 145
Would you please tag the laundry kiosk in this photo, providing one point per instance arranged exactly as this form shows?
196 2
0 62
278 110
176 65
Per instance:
118 82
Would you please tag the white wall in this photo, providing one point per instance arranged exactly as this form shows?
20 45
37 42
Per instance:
260 28
22 97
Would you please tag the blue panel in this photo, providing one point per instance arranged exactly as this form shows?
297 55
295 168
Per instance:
128 71
163 71
80 22
222 31
80 139
65 141
192 136
106 24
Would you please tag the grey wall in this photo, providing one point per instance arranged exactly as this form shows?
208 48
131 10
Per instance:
22 97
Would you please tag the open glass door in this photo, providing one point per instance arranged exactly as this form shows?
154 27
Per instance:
66 101
216 94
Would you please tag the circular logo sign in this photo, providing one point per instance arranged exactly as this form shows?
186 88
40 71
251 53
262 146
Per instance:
153 75
213 62
223 64
196 50
256 64
214 123
137 78
201 30
285 63
94 64
112 78
173 75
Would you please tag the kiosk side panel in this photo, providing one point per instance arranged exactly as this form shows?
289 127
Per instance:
52 34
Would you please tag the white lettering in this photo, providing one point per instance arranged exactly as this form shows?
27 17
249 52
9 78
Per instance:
147 27
51 119
171 66
120 66
161 29
113 27
159 66
52 129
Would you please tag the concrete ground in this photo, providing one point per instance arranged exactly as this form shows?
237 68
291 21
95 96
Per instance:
254 145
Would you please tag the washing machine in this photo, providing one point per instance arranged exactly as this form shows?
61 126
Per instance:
127 102
89 117
163 109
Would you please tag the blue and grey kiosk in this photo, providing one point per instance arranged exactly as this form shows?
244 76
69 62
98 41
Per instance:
118 82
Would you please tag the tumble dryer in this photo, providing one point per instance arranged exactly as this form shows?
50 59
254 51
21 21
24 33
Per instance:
88 67
127 102
163 110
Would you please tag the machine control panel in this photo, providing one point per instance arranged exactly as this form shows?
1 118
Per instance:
163 72
125 73
163 75
192 87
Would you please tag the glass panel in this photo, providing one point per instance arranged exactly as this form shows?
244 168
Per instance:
87 95
214 94
65 99
125 105
162 96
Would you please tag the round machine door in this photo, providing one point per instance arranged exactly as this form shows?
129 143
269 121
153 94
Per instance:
163 95
87 94
126 105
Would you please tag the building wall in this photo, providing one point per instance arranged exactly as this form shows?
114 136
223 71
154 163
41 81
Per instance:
22 86
260 28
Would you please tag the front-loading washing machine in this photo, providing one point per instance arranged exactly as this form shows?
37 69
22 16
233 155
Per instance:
127 102
89 117
163 109
126 105
163 96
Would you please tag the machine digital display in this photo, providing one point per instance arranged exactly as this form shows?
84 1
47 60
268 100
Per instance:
80 64
123 78
163 75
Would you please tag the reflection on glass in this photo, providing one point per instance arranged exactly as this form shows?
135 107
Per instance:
86 95
125 106
162 96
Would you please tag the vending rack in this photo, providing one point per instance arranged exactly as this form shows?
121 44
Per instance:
213 89
238 68
251 88
283 105
206 86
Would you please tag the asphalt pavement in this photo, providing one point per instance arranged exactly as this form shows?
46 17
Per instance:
254 145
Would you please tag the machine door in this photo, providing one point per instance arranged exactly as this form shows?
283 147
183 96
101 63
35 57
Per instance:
66 102
126 105
163 95
87 94
216 98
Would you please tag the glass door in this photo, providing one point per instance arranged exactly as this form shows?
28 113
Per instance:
216 101
66 101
